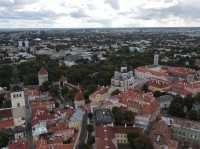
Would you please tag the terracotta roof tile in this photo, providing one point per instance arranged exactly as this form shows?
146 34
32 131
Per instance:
18 145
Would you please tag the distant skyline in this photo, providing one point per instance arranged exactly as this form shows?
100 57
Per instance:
99 13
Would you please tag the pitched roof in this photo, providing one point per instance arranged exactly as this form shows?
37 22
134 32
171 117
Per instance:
42 144
43 71
6 113
105 135
144 102
6 123
18 145
160 134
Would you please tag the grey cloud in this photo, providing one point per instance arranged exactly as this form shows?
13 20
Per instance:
113 3
106 22
5 3
13 3
79 13
27 15
180 10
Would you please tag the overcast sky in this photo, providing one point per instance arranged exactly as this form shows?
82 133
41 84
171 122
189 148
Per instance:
99 13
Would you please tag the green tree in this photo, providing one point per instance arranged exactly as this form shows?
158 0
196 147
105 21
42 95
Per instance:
45 86
129 117
4 138
85 146
138 141
145 88
90 128
193 115
157 94
122 116
176 107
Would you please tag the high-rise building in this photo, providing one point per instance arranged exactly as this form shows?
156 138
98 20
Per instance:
20 44
156 60
26 42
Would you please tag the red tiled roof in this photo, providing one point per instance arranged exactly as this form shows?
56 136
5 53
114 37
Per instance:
145 103
6 123
18 145
6 113
159 84
55 146
42 104
145 69
180 71
43 71
180 88
42 144
99 91
166 71
162 132
106 134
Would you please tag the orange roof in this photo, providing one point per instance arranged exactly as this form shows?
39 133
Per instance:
43 71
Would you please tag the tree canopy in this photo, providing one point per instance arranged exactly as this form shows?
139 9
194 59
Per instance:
138 141
122 117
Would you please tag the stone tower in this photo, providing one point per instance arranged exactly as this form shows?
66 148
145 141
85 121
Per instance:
18 105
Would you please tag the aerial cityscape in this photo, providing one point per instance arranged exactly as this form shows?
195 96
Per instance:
101 74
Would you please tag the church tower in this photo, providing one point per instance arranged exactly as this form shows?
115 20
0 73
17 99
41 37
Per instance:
18 105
